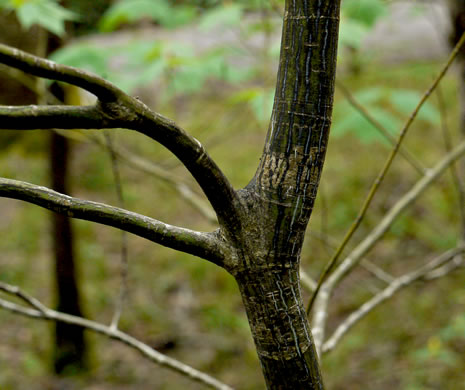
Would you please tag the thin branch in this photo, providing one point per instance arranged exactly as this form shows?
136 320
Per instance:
123 293
409 157
131 159
377 183
48 314
178 183
376 271
204 245
16 291
115 109
459 185
307 281
355 256
36 66
396 285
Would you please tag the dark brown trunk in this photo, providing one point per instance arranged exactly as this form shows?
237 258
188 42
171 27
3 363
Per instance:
70 346
280 198
457 13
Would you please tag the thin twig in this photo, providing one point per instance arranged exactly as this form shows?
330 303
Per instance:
146 166
396 285
454 171
373 190
31 301
124 287
355 256
307 281
45 313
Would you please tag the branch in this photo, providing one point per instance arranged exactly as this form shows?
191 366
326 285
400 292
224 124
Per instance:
355 256
377 183
180 185
124 271
36 66
39 311
397 284
204 245
115 109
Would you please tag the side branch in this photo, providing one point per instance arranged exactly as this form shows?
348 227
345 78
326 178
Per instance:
199 244
116 109
49 117
355 256
39 311
396 285
40 67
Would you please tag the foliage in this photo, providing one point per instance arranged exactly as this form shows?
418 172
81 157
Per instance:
387 105
48 14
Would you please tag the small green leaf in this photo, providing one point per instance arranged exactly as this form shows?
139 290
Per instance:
352 33
228 15
46 13
405 101
160 11
83 56
364 11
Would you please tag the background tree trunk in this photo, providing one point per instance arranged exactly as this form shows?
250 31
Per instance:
457 13
70 346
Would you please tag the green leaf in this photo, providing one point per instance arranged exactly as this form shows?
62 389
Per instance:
260 100
45 13
405 101
352 33
364 11
355 123
85 56
160 11
229 15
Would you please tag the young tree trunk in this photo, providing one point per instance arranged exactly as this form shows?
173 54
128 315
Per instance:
279 200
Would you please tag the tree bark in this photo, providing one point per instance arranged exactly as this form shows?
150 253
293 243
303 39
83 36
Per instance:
279 200
70 347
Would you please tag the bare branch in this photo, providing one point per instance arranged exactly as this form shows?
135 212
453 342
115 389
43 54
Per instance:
355 256
31 301
40 67
44 313
204 245
307 282
146 166
396 285
454 170
115 109
49 117
377 183
124 287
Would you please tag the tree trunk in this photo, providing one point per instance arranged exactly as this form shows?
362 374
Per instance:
279 200
457 13
70 346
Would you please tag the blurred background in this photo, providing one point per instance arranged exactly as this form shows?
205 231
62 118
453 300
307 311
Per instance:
211 65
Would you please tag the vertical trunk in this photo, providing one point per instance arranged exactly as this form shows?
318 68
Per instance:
457 13
70 346
280 328
280 198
